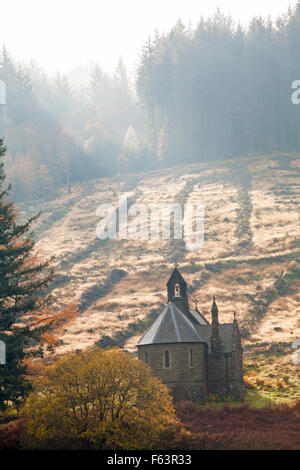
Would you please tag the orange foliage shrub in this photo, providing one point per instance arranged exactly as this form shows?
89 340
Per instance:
253 373
259 381
248 382
52 322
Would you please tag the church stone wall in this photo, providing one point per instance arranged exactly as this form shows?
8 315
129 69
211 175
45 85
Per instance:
217 375
225 376
186 381
237 389
221 375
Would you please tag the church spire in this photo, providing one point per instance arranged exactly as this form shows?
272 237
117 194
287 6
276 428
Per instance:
214 312
236 343
216 343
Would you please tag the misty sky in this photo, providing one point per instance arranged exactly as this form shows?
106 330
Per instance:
60 34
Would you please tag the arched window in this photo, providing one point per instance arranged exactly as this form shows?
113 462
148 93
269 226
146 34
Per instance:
191 357
177 290
167 359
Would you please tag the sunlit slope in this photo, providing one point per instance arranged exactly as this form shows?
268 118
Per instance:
249 261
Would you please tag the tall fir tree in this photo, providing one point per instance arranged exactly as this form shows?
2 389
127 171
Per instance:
22 280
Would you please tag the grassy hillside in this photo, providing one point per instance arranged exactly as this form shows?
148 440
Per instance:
250 259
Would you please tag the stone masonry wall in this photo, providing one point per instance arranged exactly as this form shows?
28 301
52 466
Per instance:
186 381
237 389
217 375
225 376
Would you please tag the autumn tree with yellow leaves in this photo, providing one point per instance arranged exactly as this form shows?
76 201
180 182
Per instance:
99 399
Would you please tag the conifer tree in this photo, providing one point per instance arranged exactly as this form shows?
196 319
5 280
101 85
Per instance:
22 279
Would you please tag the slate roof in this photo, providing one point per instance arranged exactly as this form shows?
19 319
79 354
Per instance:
173 326
226 334
200 318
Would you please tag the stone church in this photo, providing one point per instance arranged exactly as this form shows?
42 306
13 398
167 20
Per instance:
193 357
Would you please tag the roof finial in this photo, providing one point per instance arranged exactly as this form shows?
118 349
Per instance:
214 311
196 303
234 315
176 265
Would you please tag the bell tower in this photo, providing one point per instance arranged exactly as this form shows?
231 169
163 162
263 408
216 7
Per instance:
177 290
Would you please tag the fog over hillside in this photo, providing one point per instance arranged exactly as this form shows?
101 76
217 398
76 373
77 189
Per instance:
211 91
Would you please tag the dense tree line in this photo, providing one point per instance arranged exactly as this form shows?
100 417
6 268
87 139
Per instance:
57 132
221 91
214 91
37 145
